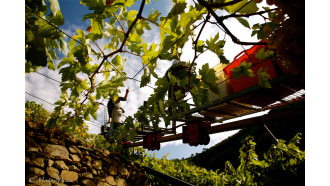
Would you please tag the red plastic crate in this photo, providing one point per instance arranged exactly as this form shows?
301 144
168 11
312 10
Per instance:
244 82
194 133
150 141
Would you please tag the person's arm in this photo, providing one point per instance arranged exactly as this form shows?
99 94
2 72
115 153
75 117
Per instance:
124 98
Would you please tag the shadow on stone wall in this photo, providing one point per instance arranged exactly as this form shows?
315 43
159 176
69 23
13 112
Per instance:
57 159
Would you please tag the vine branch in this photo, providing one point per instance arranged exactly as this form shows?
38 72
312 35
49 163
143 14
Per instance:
219 5
124 41
220 22
247 15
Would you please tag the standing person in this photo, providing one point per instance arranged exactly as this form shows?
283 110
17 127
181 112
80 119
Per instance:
115 112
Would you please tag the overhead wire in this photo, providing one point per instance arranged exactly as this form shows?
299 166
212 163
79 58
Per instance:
126 77
93 123
54 26
131 78
40 99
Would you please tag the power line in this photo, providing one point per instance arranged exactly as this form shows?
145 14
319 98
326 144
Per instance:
40 98
93 123
48 77
102 104
133 78
57 28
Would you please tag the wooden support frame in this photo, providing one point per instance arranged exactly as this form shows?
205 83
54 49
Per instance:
232 96
236 124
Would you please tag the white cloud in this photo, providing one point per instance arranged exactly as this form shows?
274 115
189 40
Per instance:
42 87
49 90
217 138
172 143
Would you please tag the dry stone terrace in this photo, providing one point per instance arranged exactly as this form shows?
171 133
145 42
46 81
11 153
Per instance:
57 159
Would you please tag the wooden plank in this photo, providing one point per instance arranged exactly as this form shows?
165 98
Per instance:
232 96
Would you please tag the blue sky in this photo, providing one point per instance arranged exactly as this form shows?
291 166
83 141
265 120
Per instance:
73 12
14 81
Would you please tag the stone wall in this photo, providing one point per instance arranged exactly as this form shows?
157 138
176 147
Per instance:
57 159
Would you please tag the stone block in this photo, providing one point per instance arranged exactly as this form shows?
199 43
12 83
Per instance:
88 182
60 164
37 171
75 157
52 172
69 176
123 171
110 180
73 149
57 151
97 164
39 162
112 170
121 182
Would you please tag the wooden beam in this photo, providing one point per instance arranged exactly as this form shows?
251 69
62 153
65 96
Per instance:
236 124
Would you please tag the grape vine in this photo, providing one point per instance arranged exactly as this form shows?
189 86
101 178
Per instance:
124 30
283 159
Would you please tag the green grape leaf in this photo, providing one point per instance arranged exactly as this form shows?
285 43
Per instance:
249 7
54 7
84 84
244 22
94 4
262 54
145 79
242 69
51 55
162 88
97 26
117 61
65 61
263 77
161 107
209 78
51 65
223 59
154 17
256 26
68 73
200 46
57 19
81 53
37 52
178 8
29 36
172 78
216 45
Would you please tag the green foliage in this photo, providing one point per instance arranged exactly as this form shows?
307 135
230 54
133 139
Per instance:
263 77
36 112
242 7
216 45
181 169
262 54
41 37
97 140
243 69
284 158
123 28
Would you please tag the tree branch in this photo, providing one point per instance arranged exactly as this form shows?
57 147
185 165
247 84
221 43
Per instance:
208 16
247 15
219 5
119 23
124 41
220 22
